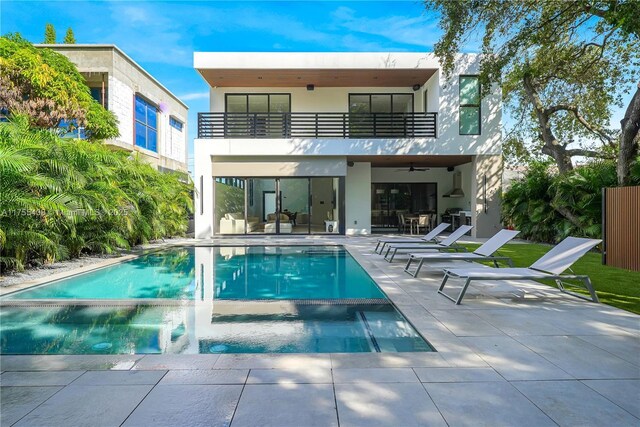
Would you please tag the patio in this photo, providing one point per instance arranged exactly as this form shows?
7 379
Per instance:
509 355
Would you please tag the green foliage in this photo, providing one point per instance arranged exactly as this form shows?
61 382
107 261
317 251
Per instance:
61 198
49 34
69 37
547 207
562 65
47 87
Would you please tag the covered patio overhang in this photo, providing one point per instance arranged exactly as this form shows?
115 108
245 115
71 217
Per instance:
320 69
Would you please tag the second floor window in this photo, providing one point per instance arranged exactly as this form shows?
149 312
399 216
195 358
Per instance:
469 120
146 122
258 103
381 103
175 123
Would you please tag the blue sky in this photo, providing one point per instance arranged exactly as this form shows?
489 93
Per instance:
162 35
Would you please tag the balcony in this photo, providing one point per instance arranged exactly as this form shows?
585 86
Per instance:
317 125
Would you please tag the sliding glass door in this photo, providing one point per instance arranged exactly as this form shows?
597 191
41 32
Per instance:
389 200
278 205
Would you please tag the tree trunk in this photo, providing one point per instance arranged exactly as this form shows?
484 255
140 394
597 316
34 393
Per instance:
628 150
552 147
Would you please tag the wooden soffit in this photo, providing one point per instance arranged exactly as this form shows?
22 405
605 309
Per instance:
317 77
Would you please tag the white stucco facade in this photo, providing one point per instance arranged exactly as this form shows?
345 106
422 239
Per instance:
369 160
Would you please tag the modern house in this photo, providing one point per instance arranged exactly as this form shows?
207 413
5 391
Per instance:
348 143
152 121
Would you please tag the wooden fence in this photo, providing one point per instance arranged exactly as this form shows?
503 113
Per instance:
621 227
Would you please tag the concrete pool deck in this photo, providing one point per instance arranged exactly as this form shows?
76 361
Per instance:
512 354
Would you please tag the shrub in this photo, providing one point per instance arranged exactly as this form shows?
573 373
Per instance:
547 207
61 198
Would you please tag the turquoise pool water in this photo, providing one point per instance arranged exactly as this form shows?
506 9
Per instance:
148 330
243 299
255 272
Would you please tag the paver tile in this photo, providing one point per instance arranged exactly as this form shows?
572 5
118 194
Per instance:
445 375
391 404
38 378
464 323
16 402
187 405
374 375
312 375
210 376
624 393
513 360
581 359
176 361
571 403
624 346
387 360
265 361
485 404
286 405
87 406
119 378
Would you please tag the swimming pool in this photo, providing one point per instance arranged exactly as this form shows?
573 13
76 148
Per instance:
240 272
243 299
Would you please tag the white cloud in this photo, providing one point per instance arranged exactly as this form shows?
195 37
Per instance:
194 95
415 30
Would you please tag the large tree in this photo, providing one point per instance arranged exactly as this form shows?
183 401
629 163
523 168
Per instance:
45 86
563 66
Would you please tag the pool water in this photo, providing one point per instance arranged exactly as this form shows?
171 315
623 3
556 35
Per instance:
242 272
149 330
242 299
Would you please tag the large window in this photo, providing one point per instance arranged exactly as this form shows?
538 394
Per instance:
146 122
287 205
381 103
469 105
389 200
258 103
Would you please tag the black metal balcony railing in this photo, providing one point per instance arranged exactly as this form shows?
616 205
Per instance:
317 125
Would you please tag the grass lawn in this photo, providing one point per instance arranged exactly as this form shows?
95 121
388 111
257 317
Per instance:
614 286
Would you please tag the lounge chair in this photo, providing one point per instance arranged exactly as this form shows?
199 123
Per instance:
446 245
484 253
429 237
550 266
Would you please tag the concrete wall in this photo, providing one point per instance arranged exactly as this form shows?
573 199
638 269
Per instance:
487 221
358 199
124 79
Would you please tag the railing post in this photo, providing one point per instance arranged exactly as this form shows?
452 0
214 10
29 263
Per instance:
375 126
344 125
285 117
316 125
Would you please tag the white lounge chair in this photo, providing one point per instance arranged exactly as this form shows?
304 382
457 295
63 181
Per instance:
447 244
430 237
484 253
550 266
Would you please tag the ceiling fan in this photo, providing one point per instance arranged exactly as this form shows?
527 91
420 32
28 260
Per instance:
413 169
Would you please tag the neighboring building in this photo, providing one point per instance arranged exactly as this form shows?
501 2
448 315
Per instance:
151 120
344 142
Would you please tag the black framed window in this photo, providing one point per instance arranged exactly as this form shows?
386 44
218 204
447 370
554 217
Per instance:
469 119
258 103
380 103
